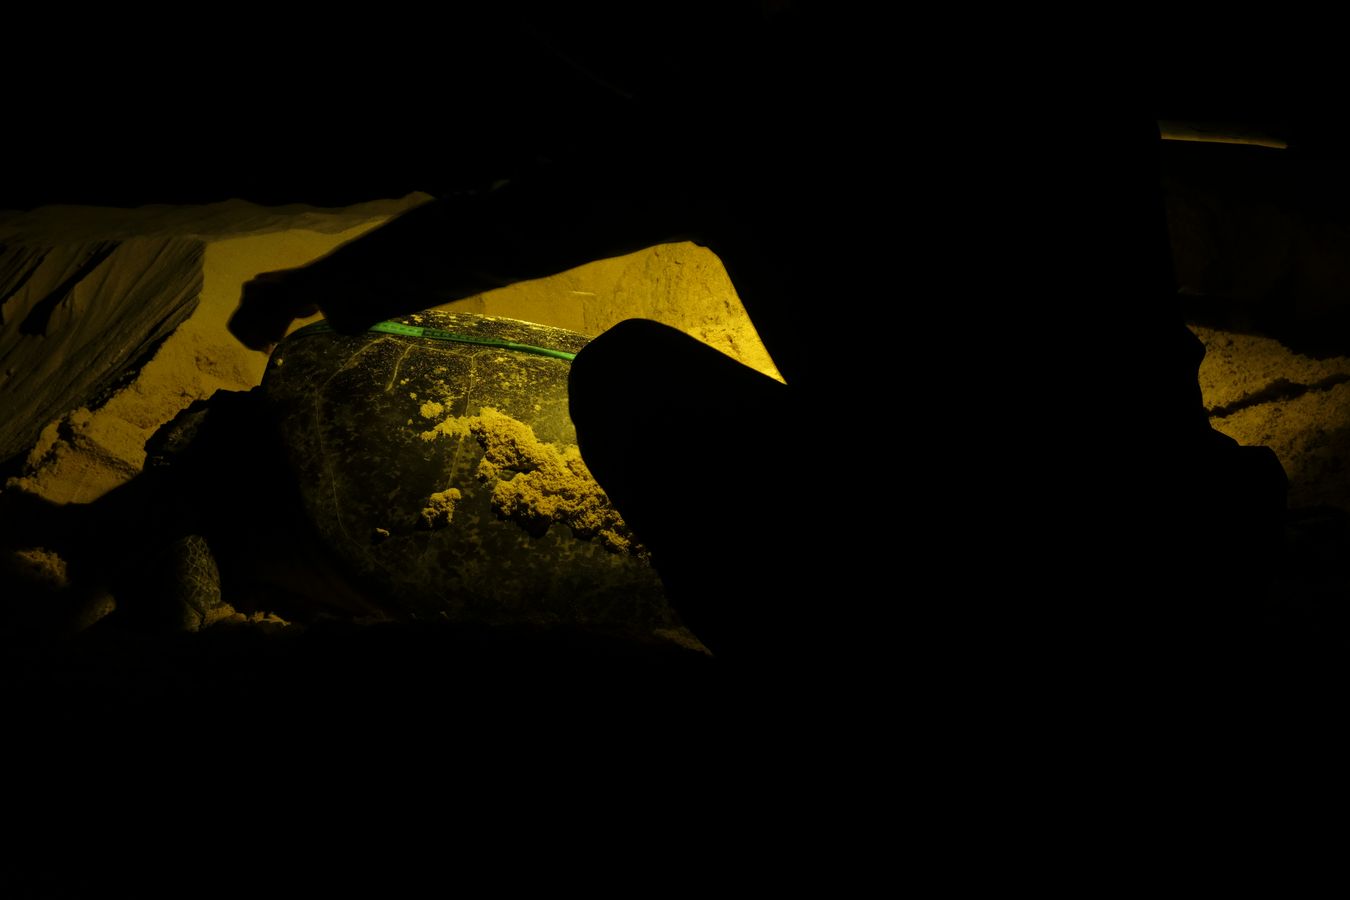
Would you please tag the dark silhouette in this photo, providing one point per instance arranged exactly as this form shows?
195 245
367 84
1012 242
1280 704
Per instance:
991 435
717 129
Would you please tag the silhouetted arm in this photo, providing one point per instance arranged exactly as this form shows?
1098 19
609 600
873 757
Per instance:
553 219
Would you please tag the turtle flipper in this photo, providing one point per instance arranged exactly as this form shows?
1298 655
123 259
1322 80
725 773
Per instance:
186 585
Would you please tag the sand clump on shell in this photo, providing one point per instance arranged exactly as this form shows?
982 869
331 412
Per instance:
440 508
534 483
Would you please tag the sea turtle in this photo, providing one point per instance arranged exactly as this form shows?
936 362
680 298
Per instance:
425 470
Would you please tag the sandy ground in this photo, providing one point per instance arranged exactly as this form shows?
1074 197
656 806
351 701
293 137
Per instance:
1260 393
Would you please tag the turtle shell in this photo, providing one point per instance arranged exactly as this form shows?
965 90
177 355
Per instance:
443 478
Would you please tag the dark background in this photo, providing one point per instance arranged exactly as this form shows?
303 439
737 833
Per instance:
122 108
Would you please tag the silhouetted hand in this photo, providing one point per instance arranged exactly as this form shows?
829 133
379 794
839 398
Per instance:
268 305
